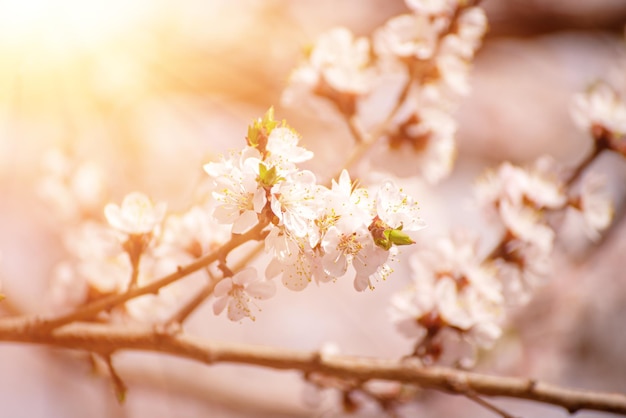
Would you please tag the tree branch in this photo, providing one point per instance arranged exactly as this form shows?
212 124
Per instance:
99 338
107 303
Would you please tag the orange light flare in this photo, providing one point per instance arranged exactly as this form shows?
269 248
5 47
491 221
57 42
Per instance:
47 44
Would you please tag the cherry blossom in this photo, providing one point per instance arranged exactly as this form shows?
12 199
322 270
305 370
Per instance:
408 35
294 202
137 215
193 233
432 7
397 209
237 292
338 65
595 205
72 188
236 188
283 149
450 288
600 106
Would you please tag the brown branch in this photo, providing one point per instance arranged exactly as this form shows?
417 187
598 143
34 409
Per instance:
103 338
91 310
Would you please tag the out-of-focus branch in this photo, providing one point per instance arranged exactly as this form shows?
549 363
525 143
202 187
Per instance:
110 338
107 303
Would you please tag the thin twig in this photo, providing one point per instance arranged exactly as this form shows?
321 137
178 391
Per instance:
183 313
366 141
118 384
488 405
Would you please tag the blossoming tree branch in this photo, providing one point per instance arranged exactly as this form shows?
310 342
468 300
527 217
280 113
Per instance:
135 272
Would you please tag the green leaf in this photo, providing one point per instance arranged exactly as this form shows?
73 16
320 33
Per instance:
397 237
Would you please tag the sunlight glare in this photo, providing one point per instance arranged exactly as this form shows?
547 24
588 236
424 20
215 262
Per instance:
67 23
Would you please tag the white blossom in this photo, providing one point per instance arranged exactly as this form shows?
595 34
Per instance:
237 190
422 142
72 188
193 233
137 215
408 35
432 7
284 152
237 292
525 267
451 287
99 258
595 205
520 196
600 106
397 209
294 202
355 248
339 62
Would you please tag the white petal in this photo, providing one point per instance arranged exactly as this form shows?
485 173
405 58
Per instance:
261 290
245 222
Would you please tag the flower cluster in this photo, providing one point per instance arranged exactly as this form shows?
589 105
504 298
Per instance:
601 112
452 296
74 190
429 51
457 299
136 246
520 198
315 232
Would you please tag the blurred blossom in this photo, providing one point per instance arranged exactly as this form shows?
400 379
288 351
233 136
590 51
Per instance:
420 143
524 268
450 291
595 204
338 68
409 35
73 189
99 259
432 7
191 234
601 106
137 215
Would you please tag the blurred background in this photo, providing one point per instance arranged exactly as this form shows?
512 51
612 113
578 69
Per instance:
148 91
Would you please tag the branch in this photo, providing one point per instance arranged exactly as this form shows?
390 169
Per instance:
99 338
109 302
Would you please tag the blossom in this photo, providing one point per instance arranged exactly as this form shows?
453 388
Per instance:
408 35
450 289
397 209
193 233
522 269
338 68
520 196
600 106
99 259
137 215
72 188
240 197
526 225
354 248
421 141
293 202
596 207
432 7
299 272
283 149
238 291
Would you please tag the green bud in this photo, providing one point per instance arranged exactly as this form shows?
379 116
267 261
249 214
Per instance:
268 177
397 237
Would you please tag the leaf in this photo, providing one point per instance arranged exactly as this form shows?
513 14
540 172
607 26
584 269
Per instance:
397 237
